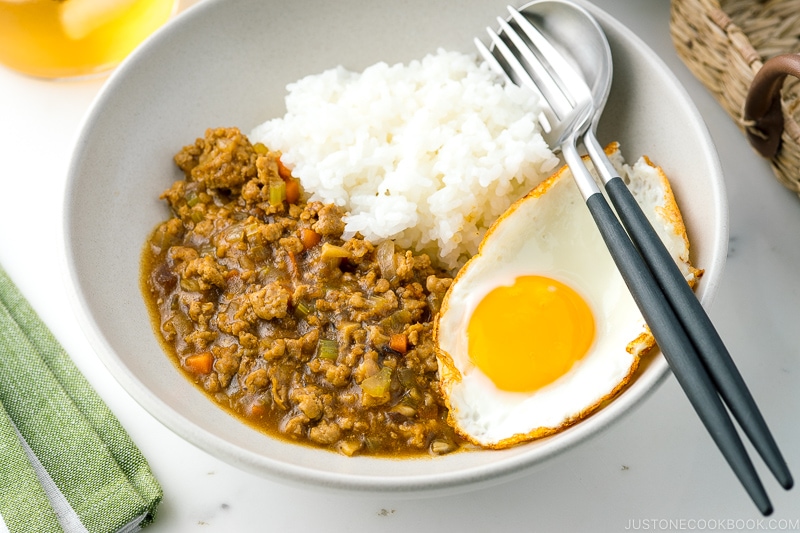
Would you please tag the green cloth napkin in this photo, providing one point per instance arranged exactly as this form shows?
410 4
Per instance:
66 463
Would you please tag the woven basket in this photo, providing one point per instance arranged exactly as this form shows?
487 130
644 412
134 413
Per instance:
746 53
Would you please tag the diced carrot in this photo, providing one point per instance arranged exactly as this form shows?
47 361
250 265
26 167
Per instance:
292 184
292 190
309 238
257 410
284 172
398 342
200 363
294 270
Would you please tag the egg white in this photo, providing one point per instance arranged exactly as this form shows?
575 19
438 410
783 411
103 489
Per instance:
551 233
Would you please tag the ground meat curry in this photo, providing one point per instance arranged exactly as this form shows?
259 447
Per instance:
305 335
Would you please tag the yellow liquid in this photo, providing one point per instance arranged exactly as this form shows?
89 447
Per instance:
68 38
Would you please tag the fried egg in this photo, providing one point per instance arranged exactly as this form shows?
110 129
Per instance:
538 330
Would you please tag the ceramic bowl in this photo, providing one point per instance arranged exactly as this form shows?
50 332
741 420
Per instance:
226 63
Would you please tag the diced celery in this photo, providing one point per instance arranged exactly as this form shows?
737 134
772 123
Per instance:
378 385
302 310
277 192
192 198
406 377
328 349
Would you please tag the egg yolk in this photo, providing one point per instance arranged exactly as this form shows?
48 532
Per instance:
529 334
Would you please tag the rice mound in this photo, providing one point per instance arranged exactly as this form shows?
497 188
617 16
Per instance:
427 154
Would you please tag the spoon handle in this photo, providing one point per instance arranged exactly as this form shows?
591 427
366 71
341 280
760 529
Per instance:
690 312
689 371
669 334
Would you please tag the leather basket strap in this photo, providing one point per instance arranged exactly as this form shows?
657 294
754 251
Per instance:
763 116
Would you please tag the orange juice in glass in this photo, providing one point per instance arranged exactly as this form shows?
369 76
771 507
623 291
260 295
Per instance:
69 38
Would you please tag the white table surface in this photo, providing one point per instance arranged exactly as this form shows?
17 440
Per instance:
655 469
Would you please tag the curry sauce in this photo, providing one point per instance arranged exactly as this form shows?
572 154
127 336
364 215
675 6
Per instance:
303 334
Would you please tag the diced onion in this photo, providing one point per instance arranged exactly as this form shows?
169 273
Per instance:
252 229
385 256
234 234
404 409
331 251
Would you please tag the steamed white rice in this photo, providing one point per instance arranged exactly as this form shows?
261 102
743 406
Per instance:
428 154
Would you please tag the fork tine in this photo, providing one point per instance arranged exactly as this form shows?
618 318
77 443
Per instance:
513 62
564 74
498 69
537 71
492 61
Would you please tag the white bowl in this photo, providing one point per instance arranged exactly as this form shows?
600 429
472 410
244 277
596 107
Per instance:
226 63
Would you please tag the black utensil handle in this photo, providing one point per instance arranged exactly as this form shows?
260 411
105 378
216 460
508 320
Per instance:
677 348
698 325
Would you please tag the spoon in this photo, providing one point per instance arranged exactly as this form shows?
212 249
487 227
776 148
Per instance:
560 22
590 55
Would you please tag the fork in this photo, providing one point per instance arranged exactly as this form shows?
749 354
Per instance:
527 58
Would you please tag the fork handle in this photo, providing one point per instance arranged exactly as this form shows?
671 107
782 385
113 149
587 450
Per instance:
707 341
689 371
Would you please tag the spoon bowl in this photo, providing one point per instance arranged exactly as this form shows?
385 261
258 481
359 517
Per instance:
590 54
